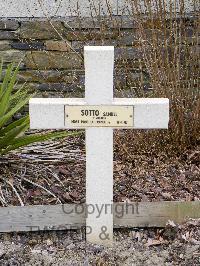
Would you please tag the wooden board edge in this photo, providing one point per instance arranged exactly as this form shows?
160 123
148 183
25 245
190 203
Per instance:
72 216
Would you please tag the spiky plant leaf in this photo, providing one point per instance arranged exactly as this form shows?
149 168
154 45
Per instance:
1 72
29 139
12 134
6 79
5 98
13 125
4 119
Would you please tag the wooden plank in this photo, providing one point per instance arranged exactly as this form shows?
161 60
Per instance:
36 218
72 216
156 214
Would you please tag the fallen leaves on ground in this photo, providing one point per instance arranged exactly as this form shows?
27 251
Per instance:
54 172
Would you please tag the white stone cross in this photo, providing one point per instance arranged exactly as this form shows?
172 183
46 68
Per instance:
99 113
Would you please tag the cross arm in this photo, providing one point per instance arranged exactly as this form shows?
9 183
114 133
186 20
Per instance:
49 113
149 113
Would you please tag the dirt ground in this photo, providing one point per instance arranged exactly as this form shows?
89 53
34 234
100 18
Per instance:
174 245
54 172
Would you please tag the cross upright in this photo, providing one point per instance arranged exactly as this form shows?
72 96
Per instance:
99 113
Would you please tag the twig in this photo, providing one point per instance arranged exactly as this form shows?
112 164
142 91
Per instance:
2 201
15 191
2 196
37 185
59 34
55 176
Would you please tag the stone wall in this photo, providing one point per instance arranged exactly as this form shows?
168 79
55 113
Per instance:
52 51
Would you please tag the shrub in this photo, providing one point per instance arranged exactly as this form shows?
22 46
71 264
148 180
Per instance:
12 132
168 41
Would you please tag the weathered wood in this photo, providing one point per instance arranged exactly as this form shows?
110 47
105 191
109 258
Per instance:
60 217
35 218
157 214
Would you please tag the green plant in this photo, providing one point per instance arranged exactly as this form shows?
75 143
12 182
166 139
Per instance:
11 101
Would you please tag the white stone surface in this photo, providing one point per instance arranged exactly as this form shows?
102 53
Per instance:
52 8
99 67
149 113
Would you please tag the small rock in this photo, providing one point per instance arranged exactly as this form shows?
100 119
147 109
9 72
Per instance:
194 241
45 253
181 256
71 246
2 250
167 195
154 242
138 236
122 188
132 234
49 242
171 223
32 242
63 46
36 251
144 241
189 252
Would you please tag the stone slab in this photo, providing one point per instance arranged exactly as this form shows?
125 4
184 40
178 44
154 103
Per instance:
28 45
12 56
5 45
53 60
9 35
80 35
62 46
51 76
7 24
42 30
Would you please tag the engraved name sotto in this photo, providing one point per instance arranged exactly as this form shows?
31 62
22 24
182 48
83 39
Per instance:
99 116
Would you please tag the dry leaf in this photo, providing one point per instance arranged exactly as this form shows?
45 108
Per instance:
171 223
153 242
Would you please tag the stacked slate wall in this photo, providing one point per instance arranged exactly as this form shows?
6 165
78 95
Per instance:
51 51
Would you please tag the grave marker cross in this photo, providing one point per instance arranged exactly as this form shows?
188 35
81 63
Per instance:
99 113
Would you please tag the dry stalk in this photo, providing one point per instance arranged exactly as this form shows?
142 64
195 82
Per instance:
43 188
15 191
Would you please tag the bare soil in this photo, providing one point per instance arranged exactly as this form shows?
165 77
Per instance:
173 245
54 172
